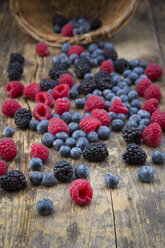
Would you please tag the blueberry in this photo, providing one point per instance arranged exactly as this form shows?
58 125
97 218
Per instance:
143 64
117 124
137 81
65 47
78 134
82 171
73 93
133 63
42 126
133 111
145 174
126 73
70 142
64 151
87 115
65 98
61 135
55 115
127 105
57 29
35 178
76 117
124 98
8 131
115 79
136 103
108 44
103 132
144 121
35 164
106 92
107 105
128 82
73 126
132 95
143 76
139 70
141 127
33 125
111 180
112 115
122 84
97 92
92 137
92 47
133 76
115 89
100 59
73 57
82 142
158 157
109 96
121 116
49 179
114 97
67 117
120 92
144 114
75 152
80 102
87 96
101 44
85 55
47 139
135 118
57 144
45 206
132 123
88 75
49 91
56 59
93 62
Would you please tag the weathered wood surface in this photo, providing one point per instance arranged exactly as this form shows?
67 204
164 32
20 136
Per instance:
131 216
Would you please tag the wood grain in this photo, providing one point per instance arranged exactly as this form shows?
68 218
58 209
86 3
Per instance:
131 216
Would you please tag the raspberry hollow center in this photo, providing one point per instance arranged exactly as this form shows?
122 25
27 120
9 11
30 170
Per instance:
82 193
42 111
8 88
42 99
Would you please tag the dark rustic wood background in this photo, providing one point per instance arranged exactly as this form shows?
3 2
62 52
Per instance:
131 216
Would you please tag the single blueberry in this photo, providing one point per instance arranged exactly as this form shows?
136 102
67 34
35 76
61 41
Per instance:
33 125
117 124
75 152
115 89
139 70
109 96
135 118
107 105
78 134
143 76
92 47
8 131
76 117
120 92
70 142
44 206
112 115
73 93
124 98
47 139
106 91
87 115
136 103
132 123
103 132
133 63
55 115
144 114
80 102
111 180
67 117
133 110
144 121
42 126
121 116
93 62
88 75
35 178
146 174
73 126
57 29
126 73
56 59
61 135
101 44
87 96
97 92
57 144
100 59
92 137
82 171
49 179
36 164
132 95
133 76
64 151
141 127
127 105
143 64
158 157
108 44
82 142
73 57
128 81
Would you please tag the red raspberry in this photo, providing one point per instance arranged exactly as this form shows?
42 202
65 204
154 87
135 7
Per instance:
153 91
102 115
67 30
118 107
9 107
158 117
152 134
42 112
8 149
39 151
107 66
14 89
66 79
44 97
154 71
89 124
94 102
81 191
75 49
32 90
143 85
61 106
150 105
57 125
42 49
60 91
3 168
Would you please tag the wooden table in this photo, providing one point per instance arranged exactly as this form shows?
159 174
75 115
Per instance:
130 216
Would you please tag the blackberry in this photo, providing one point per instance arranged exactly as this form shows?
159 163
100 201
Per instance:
87 85
134 154
13 180
95 23
95 152
82 67
120 65
16 57
55 70
46 84
63 171
14 71
132 135
22 118
102 80
64 72
59 20
110 53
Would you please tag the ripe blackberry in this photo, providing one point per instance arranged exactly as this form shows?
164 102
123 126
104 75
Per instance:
16 57
102 80
132 135
22 118
63 171
87 85
55 70
110 53
121 65
95 23
46 84
14 71
95 152
13 180
82 67
134 154
59 20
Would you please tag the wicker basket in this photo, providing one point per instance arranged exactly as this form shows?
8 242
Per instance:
35 17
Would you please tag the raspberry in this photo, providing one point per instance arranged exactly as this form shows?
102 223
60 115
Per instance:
42 49
154 71
153 91
9 107
14 89
118 107
81 191
67 30
61 106
44 97
102 115
57 125
66 79
107 66
150 105
8 149
31 90
158 117
60 91
75 49
89 124
42 112
3 168
143 85
94 102
152 134
39 151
